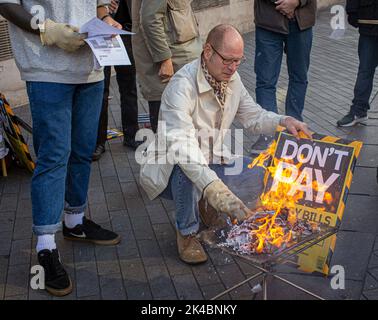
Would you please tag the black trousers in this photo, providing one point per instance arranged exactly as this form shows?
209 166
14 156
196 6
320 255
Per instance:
154 108
126 79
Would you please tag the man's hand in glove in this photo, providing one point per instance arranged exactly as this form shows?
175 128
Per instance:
222 199
62 35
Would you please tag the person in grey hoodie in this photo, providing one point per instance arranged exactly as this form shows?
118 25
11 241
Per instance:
65 94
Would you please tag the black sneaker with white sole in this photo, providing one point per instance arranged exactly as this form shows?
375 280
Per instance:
91 232
351 119
57 281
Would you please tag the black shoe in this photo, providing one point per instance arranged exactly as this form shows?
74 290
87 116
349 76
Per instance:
57 281
91 232
351 119
100 149
261 144
131 143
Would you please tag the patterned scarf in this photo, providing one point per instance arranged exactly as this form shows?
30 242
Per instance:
219 87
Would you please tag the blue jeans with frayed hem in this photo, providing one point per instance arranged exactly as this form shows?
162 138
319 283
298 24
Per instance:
65 120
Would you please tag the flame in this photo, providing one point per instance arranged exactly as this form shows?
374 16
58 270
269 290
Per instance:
269 232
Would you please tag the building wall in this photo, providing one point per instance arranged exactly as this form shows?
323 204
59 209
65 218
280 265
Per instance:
209 13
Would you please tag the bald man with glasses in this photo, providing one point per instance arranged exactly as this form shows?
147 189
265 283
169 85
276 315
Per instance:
206 96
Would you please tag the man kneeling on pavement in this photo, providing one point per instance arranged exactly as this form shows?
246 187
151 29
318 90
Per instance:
206 94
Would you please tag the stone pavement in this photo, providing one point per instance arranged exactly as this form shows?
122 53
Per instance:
145 265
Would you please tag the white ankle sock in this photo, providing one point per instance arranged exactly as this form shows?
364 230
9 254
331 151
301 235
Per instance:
72 220
46 241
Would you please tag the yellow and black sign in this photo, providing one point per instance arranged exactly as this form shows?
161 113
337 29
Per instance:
321 169
13 135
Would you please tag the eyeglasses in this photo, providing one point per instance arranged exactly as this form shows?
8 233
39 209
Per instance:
227 61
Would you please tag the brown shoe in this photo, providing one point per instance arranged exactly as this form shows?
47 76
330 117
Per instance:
209 216
190 249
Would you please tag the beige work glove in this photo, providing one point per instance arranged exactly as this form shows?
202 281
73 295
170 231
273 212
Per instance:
220 197
62 35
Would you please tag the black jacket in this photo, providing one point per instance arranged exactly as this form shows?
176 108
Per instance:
267 17
123 14
366 10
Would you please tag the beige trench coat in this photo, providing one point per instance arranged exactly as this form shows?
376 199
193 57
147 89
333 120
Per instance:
154 40
189 104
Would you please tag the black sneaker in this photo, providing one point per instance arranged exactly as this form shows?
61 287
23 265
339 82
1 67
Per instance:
261 144
351 119
100 149
91 232
131 143
57 281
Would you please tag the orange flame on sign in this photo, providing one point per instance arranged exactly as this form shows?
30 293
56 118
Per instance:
269 231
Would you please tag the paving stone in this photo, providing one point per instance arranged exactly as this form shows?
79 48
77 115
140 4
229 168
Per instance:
20 252
212 290
87 282
112 287
370 283
120 220
96 195
373 263
371 295
160 281
357 245
164 231
140 292
187 287
231 275
115 201
206 274
23 228
373 272
107 260
136 208
133 272
11 187
3 275
365 181
130 190
317 284
24 208
99 213
111 184
219 258
368 156
157 214
150 252
17 280
8 202
359 214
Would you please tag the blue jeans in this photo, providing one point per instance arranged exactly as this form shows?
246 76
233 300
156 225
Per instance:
247 185
270 47
65 120
368 55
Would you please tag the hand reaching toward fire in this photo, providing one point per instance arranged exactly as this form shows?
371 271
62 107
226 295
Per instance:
296 127
222 199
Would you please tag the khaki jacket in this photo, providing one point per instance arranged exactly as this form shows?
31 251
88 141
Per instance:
163 29
188 105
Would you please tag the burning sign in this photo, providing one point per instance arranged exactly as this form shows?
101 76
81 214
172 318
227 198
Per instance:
306 184
314 175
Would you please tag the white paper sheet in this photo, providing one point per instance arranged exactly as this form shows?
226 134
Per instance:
107 49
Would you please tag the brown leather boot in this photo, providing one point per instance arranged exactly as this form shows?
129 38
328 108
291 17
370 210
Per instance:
190 249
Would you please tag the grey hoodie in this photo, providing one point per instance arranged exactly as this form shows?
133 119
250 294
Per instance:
52 64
